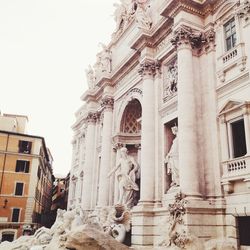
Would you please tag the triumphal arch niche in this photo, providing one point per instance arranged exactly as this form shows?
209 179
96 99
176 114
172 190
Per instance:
166 105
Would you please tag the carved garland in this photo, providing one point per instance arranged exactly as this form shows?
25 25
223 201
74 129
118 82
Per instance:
176 235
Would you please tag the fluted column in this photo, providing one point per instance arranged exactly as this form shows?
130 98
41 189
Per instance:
89 161
103 196
147 71
184 39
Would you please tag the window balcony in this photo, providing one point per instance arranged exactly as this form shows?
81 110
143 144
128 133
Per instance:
235 170
235 57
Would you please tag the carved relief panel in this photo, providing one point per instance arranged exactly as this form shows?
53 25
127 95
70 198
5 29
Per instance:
170 80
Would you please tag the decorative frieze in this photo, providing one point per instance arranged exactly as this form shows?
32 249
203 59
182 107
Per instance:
149 68
107 102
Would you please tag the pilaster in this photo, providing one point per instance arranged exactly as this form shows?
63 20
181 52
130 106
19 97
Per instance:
107 105
89 161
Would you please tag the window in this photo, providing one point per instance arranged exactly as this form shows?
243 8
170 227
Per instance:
238 138
243 230
19 189
25 147
15 214
8 236
230 34
22 166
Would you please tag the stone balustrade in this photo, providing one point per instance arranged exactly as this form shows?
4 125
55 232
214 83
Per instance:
236 169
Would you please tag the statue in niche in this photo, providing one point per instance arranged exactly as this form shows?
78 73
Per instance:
128 169
90 74
172 159
171 80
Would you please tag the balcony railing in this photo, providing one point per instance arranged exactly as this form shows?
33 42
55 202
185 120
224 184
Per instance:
236 169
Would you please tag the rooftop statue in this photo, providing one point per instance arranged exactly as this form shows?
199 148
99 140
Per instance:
90 74
103 61
143 14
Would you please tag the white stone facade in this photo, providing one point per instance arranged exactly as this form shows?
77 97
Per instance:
170 63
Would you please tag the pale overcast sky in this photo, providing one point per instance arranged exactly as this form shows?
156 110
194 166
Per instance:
45 45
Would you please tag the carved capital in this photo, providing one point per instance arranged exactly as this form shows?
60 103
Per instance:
92 117
209 39
243 10
149 68
117 145
107 102
185 35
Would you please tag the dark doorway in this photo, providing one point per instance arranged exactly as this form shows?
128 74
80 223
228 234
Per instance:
244 230
239 139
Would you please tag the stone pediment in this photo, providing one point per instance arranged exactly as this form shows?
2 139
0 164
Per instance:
230 105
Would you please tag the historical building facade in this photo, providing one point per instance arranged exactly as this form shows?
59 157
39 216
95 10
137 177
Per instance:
25 179
165 125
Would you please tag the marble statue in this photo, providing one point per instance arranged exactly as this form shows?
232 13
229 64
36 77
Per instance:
103 61
124 12
126 177
143 15
172 159
90 74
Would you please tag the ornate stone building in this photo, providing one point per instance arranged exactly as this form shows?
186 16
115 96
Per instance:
170 64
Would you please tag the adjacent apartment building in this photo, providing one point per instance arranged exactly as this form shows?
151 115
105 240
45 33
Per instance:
25 179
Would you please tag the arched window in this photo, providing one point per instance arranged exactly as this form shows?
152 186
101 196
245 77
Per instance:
131 118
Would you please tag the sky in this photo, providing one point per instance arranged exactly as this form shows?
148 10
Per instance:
45 47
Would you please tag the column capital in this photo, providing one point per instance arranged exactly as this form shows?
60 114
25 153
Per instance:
117 145
187 36
92 117
243 10
107 102
149 67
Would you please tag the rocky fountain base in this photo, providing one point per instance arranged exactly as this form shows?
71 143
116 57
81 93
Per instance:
103 229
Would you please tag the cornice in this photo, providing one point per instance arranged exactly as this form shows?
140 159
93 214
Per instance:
202 8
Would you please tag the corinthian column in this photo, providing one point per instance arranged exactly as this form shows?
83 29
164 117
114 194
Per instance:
184 39
103 196
89 161
147 71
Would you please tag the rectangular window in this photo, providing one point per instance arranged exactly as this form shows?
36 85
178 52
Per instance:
15 215
238 138
243 230
230 34
24 147
19 189
22 166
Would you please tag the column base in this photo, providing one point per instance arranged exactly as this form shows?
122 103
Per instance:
143 224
